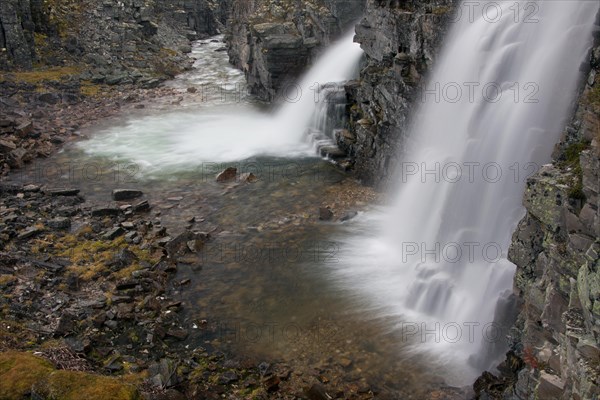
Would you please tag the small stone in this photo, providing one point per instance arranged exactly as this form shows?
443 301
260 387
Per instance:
192 89
349 215
174 304
31 188
142 206
228 377
59 223
271 383
25 128
263 368
112 324
227 175
550 386
124 285
332 152
29 232
345 362
163 241
126 194
178 333
317 392
6 146
63 192
105 212
130 236
50 98
113 233
65 325
325 214
248 177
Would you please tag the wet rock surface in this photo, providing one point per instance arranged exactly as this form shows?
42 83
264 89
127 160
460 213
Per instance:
556 247
401 41
273 53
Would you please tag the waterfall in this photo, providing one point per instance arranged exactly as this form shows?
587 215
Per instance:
313 94
495 105
328 117
229 127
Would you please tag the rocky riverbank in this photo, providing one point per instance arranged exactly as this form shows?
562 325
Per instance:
64 65
88 287
36 124
91 288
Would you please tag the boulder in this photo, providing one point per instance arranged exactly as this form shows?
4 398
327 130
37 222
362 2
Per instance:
227 175
325 214
126 194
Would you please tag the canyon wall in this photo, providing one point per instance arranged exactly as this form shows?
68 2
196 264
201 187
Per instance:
273 41
401 40
113 41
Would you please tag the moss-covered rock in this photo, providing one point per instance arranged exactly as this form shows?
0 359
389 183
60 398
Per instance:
24 373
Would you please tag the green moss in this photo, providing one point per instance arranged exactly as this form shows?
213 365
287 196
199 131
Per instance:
7 279
90 89
14 335
71 385
42 75
90 258
571 161
594 95
441 10
20 372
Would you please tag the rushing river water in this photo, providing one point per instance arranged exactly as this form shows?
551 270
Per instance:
262 286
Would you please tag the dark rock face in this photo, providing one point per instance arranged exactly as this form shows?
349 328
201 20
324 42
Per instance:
273 42
116 38
16 31
556 247
401 41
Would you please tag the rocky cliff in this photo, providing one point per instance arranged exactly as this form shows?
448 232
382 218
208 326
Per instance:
273 41
556 247
400 40
115 41
18 22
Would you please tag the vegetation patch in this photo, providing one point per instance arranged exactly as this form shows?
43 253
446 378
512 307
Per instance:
19 372
43 75
92 258
23 373
570 161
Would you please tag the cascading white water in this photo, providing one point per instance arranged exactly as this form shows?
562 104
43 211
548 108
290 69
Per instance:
227 128
329 115
432 258
338 64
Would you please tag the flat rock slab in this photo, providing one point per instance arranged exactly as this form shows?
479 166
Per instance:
126 194
63 192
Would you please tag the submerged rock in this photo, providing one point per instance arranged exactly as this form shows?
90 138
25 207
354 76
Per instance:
227 175
126 194
325 214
